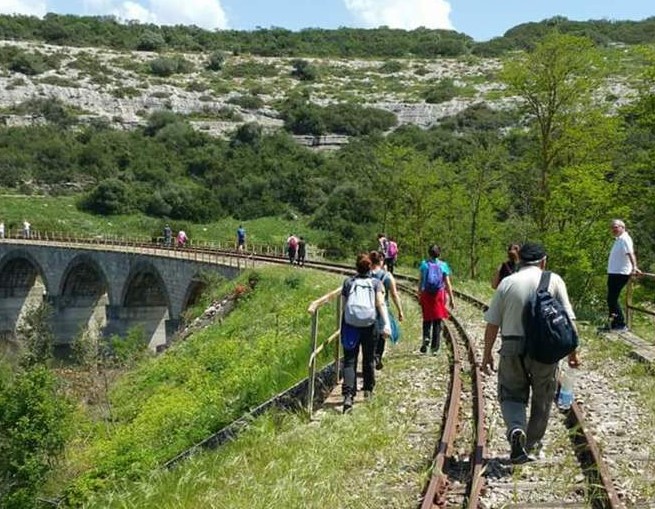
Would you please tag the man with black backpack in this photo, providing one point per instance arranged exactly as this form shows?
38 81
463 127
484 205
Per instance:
530 307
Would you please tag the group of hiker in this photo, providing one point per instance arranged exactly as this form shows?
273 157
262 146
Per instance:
180 239
296 250
530 309
295 246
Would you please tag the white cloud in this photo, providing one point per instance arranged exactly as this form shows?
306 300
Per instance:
29 7
407 14
207 14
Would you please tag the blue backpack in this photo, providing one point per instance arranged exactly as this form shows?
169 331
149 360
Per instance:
550 334
433 277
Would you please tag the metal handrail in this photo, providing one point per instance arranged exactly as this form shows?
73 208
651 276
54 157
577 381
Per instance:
313 310
630 308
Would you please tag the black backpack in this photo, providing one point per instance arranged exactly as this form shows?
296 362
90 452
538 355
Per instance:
550 334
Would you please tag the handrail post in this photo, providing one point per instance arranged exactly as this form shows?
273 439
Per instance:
312 364
628 302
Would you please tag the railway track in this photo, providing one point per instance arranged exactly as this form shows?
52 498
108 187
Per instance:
470 466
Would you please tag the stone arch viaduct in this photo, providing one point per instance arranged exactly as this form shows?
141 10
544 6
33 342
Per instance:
108 288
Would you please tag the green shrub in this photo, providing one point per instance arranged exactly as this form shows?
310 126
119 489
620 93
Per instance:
196 86
250 69
215 61
248 102
304 70
150 41
111 196
28 63
165 66
443 91
52 109
391 66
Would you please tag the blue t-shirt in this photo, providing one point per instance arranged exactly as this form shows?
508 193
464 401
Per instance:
241 234
423 268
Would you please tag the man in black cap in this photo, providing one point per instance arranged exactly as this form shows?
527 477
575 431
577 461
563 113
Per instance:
519 374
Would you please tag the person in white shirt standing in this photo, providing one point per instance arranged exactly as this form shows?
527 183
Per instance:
621 264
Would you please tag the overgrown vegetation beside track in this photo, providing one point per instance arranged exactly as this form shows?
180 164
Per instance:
378 456
168 403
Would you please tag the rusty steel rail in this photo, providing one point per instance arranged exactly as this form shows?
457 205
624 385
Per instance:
476 480
438 484
603 493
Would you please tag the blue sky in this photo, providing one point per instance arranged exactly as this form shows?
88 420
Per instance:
481 19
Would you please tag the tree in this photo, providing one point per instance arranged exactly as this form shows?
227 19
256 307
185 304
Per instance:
478 194
34 425
304 70
556 82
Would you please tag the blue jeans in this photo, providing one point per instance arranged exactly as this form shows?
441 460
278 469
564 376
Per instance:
367 341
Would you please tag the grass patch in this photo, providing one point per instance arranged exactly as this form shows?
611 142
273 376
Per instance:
169 402
286 462
59 214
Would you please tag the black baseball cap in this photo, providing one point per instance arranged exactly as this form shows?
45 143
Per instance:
532 252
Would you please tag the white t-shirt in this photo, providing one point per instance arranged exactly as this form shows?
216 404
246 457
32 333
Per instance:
514 292
618 261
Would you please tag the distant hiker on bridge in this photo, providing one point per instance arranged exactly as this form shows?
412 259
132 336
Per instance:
26 229
292 248
181 238
241 238
168 235
302 252
2 229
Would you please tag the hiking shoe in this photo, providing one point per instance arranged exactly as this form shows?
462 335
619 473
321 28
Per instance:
518 453
347 404
378 362
536 451
620 328
424 347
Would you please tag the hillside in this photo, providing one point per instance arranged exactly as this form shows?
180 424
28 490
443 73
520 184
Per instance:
551 135
123 88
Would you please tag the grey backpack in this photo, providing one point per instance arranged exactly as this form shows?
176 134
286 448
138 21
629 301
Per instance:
360 308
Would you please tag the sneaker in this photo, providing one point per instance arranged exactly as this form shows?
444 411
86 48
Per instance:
620 328
424 347
378 363
347 403
518 455
434 349
536 451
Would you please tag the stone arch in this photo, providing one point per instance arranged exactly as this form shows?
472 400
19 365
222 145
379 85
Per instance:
145 287
83 281
83 296
20 271
146 303
23 286
193 291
